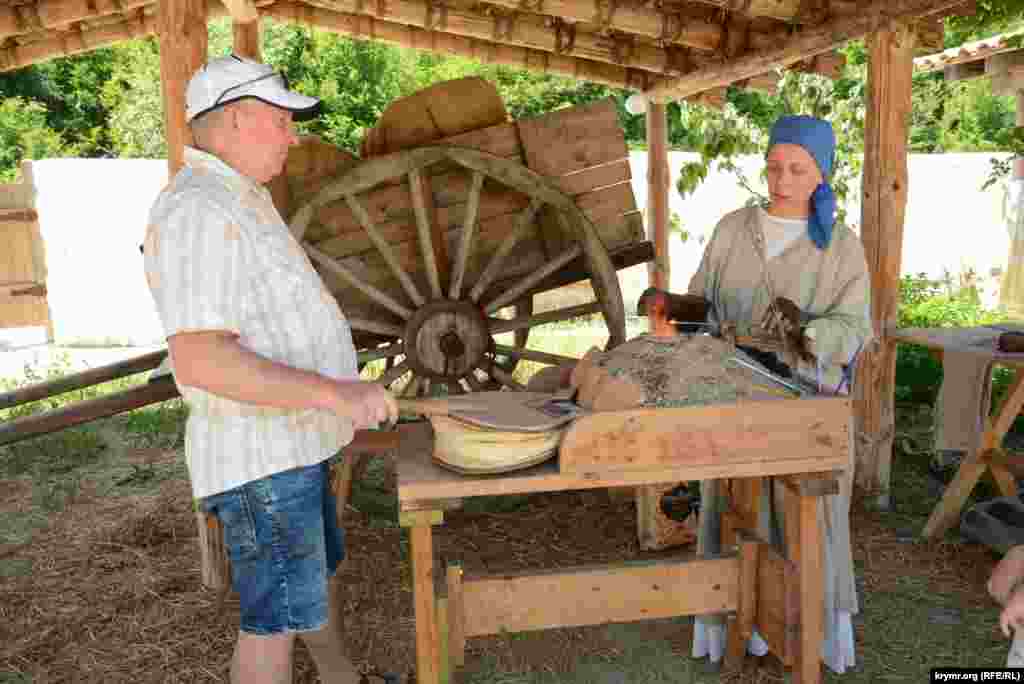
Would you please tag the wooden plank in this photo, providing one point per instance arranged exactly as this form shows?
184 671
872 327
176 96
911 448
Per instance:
778 604
742 628
749 433
419 478
891 67
874 17
427 658
444 664
86 378
599 595
813 484
456 616
573 139
82 412
812 591
657 193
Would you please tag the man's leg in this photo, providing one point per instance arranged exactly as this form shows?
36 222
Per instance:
327 646
263 659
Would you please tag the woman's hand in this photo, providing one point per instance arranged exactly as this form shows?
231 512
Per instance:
783 318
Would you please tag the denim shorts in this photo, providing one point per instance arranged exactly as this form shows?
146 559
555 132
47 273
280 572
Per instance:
284 543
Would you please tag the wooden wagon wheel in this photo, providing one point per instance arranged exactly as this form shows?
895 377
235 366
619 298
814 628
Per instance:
445 331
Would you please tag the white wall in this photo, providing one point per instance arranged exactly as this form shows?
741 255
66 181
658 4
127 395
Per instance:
951 225
92 215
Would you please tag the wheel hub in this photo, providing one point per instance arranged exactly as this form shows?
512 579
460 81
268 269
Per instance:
446 339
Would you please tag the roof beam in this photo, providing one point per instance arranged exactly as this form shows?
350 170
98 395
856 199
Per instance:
66 43
805 43
51 14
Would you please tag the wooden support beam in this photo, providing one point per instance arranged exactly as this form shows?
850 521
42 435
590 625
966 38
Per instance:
68 43
585 596
94 376
71 415
879 15
658 180
1018 164
533 44
246 39
181 25
890 71
31 17
242 11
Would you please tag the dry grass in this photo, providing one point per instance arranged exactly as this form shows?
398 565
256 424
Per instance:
107 588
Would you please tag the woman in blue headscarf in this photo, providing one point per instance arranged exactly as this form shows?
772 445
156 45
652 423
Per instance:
788 265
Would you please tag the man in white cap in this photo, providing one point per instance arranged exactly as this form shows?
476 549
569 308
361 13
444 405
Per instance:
264 358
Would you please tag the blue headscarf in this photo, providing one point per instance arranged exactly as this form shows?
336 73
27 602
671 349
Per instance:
815 136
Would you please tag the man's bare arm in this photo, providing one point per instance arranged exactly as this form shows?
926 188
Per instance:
214 361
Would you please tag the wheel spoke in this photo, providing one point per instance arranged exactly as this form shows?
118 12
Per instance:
505 378
394 373
523 223
534 355
374 327
390 351
353 280
520 288
501 326
467 235
357 209
423 228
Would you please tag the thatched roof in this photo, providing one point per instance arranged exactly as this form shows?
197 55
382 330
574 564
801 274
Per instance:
649 45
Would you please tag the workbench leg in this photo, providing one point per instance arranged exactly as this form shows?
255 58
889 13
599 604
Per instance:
812 592
422 548
947 511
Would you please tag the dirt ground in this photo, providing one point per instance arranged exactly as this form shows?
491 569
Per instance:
108 590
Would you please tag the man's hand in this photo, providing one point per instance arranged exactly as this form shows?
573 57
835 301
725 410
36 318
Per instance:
1012 617
783 317
366 404
1007 574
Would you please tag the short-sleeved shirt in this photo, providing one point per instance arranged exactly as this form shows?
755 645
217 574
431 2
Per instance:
220 258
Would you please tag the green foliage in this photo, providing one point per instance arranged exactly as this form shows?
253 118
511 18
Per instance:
928 303
24 134
744 125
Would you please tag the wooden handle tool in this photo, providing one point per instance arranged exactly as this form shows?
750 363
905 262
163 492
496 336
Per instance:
438 407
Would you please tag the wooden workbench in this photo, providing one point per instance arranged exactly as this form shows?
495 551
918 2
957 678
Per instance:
782 597
989 456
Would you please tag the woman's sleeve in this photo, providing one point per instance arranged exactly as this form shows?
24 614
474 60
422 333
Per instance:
843 330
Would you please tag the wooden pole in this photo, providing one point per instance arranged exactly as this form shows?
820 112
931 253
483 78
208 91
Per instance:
891 65
247 39
657 192
94 376
181 25
824 38
1018 165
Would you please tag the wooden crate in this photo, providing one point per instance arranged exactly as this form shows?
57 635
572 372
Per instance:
751 439
581 150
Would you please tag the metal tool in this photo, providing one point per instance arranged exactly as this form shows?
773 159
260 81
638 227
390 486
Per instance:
788 385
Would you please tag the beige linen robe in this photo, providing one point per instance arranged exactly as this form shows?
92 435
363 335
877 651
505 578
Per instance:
831 287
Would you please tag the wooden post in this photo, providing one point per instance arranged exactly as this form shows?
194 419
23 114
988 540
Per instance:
1018 165
247 39
657 192
891 67
428 665
181 25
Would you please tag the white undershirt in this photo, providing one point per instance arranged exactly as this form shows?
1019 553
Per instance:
779 233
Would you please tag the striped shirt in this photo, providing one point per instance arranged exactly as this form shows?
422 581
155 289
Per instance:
219 257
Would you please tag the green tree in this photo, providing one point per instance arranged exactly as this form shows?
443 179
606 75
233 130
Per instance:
25 135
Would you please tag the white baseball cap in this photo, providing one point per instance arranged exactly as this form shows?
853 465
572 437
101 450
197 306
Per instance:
232 78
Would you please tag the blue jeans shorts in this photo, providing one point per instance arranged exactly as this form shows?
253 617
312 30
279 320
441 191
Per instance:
284 543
